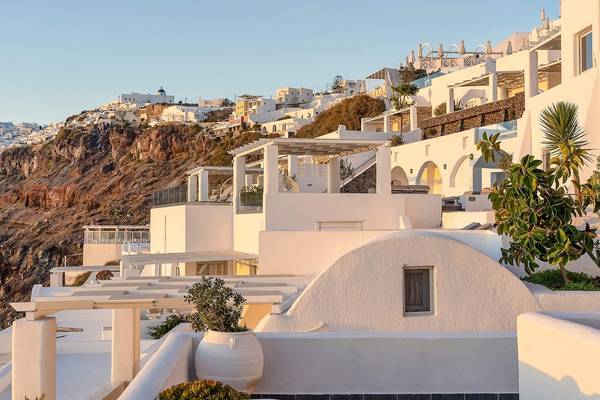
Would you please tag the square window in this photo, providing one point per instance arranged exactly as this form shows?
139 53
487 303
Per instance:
585 50
418 293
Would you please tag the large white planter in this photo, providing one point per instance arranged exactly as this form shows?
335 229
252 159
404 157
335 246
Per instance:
235 359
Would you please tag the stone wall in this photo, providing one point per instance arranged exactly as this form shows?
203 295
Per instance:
475 117
363 182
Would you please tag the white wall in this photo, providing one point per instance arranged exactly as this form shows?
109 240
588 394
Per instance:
100 254
394 362
558 357
191 228
460 219
300 211
452 151
246 229
363 289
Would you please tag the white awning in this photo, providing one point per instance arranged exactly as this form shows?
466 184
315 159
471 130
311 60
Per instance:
160 292
174 258
311 147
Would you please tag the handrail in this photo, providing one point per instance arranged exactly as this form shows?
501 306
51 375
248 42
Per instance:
356 173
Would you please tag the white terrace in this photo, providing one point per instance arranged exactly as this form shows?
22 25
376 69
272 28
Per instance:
35 349
282 210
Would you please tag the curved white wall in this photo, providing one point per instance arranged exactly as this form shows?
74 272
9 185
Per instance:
364 290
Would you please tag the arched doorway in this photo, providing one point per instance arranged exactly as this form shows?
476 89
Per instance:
430 175
399 177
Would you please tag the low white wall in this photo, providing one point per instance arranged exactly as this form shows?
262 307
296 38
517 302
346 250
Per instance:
320 363
171 364
423 210
370 362
460 219
476 202
558 357
100 254
300 211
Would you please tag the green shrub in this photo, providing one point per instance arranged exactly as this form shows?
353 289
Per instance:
202 390
397 140
104 275
81 279
158 331
348 112
552 279
217 307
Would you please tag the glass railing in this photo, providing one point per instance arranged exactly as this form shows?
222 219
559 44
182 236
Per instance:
174 195
115 237
426 80
507 130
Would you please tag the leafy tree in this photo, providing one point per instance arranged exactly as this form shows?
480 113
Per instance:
401 95
336 85
227 103
533 206
402 92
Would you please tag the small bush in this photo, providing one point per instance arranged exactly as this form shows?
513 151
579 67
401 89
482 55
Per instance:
81 279
552 279
104 275
202 390
158 331
397 140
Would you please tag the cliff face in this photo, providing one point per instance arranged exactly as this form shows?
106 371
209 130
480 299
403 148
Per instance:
91 175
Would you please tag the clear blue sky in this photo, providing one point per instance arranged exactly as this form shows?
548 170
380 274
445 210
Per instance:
62 56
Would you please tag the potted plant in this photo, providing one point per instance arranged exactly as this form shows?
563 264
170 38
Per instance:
251 196
228 352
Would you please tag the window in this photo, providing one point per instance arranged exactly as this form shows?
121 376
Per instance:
418 294
465 141
427 149
586 58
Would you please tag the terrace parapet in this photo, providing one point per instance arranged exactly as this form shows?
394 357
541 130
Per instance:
499 111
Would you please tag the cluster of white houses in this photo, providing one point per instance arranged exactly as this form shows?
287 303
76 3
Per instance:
346 242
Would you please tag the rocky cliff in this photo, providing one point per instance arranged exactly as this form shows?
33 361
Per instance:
90 175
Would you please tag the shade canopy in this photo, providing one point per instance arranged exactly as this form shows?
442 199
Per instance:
174 258
311 147
159 293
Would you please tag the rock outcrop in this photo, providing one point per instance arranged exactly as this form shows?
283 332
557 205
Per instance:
88 175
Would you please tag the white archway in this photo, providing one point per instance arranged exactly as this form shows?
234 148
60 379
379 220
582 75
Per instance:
461 173
430 175
399 176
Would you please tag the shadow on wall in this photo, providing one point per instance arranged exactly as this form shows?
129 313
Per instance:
538 385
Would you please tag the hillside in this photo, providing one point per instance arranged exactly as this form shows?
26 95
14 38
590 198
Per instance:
348 112
84 176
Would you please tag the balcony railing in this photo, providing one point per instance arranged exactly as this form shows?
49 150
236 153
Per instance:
115 237
498 112
174 195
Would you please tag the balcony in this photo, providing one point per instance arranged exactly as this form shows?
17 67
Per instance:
497 112
173 195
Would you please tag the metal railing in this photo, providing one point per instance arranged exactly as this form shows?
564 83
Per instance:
115 237
173 195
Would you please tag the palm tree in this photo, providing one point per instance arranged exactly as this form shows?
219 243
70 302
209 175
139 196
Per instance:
564 138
